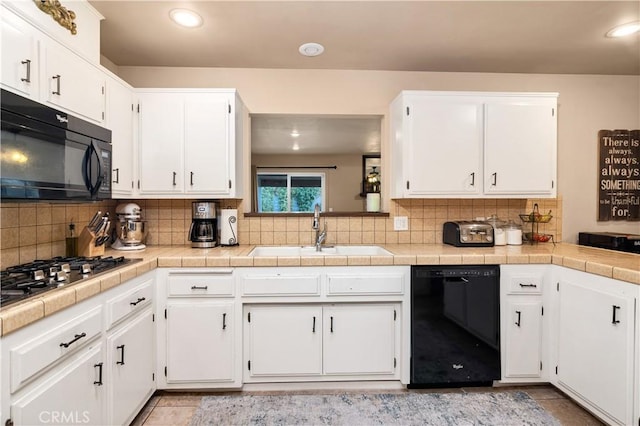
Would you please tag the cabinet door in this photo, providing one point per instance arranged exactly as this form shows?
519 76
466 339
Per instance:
284 340
161 139
72 83
444 146
72 395
207 144
119 119
520 148
19 65
359 339
200 342
595 348
523 356
131 364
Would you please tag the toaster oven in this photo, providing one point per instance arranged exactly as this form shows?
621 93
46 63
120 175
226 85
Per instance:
468 234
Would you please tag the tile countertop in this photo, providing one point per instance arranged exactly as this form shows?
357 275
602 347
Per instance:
608 263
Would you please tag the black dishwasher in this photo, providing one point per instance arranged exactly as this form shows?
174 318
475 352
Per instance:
455 326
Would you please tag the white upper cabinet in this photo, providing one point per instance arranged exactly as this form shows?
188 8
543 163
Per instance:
70 82
119 119
444 128
161 139
520 146
38 63
190 143
467 144
86 41
207 144
19 65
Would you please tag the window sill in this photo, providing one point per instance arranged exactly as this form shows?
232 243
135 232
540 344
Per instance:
323 214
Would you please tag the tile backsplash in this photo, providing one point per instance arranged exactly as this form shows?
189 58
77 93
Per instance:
37 230
426 217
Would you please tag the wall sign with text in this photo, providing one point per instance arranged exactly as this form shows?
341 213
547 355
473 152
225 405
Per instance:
619 176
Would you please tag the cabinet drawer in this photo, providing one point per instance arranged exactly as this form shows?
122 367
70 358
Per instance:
132 301
205 284
521 283
340 284
277 284
29 359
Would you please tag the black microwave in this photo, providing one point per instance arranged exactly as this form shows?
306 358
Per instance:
47 154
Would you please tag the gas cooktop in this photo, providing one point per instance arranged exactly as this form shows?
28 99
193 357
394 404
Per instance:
31 279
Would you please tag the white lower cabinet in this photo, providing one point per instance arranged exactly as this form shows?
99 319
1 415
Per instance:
360 339
74 394
597 326
131 368
320 342
91 363
284 340
523 327
200 342
314 324
523 357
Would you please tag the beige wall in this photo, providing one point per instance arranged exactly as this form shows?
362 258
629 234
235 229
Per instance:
586 104
343 185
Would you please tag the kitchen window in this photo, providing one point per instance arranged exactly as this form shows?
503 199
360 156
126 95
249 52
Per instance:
290 192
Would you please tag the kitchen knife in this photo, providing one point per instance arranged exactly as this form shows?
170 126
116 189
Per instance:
98 228
94 220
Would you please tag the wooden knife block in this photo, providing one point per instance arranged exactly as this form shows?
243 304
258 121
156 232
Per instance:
87 244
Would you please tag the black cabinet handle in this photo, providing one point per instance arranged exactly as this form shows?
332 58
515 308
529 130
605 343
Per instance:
224 321
195 287
99 381
331 325
117 178
121 362
174 178
473 179
140 299
495 179
518 320
76 338
313 330
57 79
614 320
528 285
191 178
27 78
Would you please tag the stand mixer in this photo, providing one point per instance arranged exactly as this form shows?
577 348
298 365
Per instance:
130 229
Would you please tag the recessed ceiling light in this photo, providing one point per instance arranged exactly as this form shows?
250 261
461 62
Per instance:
295 147
624 30
294 134
186 18
311 49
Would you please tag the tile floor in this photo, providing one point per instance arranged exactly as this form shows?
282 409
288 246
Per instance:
177 408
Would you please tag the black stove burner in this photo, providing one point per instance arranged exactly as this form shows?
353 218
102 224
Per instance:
30 279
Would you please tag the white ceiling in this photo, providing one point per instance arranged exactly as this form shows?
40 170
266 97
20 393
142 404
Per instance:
452 36
271 134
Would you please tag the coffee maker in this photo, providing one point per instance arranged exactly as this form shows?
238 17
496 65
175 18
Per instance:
204 226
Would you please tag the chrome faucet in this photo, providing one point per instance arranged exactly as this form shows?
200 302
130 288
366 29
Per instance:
320 235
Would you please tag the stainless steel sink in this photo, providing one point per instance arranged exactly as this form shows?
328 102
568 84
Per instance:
293 251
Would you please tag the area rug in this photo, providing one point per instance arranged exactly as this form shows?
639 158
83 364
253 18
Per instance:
410 408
